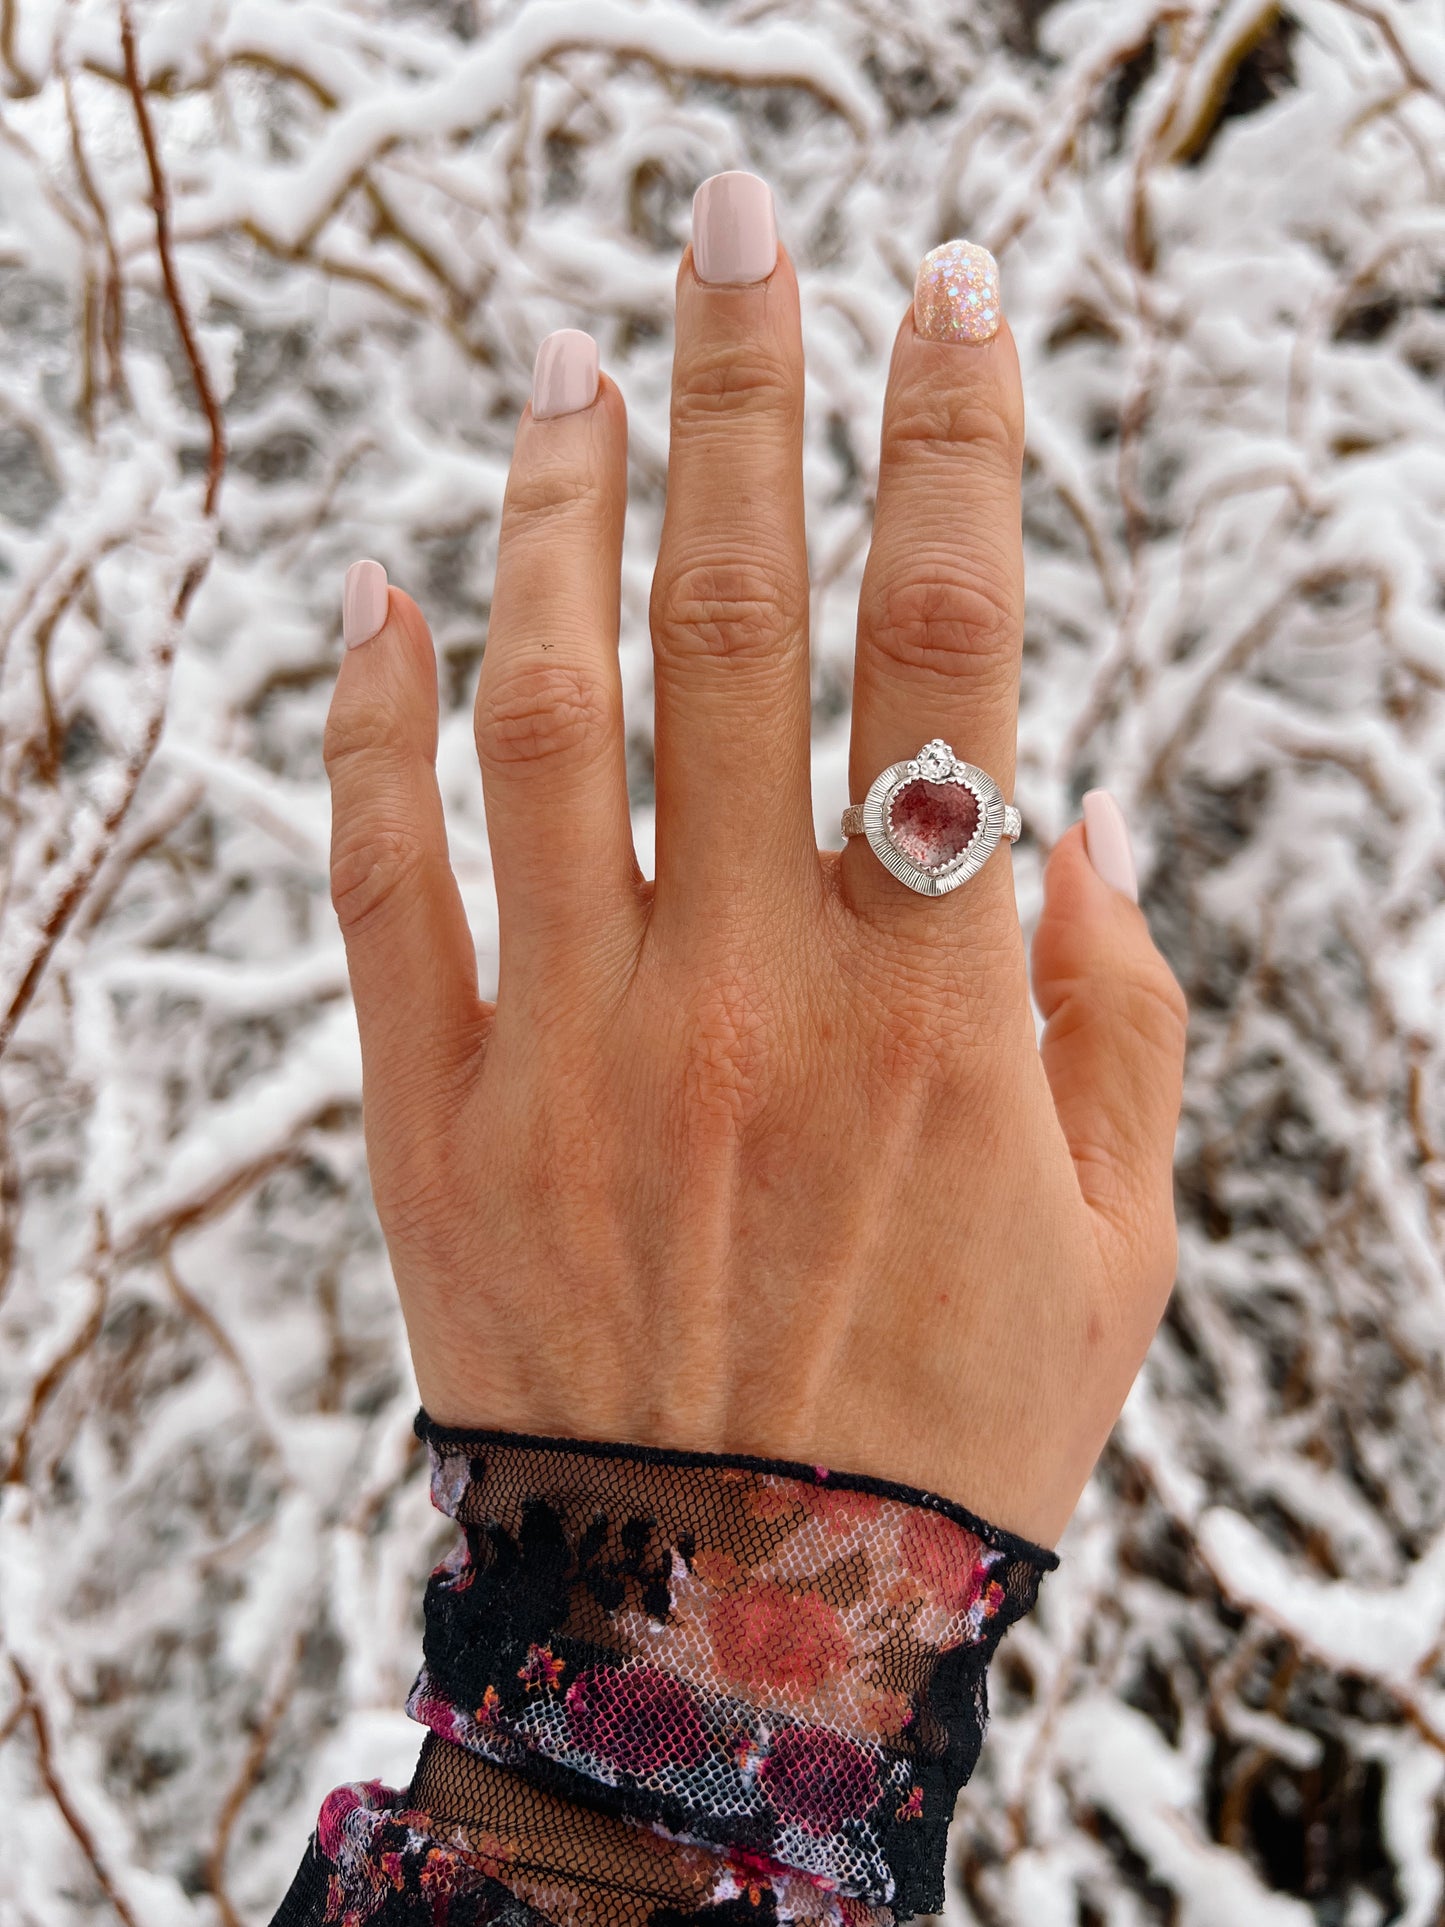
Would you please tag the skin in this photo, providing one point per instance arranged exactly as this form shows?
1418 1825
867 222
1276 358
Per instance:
765 1157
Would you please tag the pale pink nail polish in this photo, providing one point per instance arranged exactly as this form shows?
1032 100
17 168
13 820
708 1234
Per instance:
1106 838
363 603
564 378
734 231
956 295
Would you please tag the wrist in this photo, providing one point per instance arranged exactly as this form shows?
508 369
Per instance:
748 1655
660 1683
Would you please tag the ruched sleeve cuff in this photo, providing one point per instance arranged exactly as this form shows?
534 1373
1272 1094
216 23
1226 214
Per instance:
663 1686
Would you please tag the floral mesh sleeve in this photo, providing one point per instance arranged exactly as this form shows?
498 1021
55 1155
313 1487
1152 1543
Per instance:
668 1685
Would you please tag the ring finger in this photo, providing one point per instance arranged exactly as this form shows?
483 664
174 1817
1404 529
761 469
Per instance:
549 701
940 620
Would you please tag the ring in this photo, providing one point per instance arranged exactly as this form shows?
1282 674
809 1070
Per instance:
934 821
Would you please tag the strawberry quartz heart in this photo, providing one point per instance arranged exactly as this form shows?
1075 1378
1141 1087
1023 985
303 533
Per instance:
932 823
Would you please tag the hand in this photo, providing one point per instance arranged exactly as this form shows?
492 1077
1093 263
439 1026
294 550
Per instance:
764 1157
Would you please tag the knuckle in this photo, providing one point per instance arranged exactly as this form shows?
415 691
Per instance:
545 491
1157 1009
357 730
738 608
1140 1002
946 622
927 423
721 383
537 712
370 871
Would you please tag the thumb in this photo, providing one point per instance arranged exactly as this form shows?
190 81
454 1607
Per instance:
1113 1040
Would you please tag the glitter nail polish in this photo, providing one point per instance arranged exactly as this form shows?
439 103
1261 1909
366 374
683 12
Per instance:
957 294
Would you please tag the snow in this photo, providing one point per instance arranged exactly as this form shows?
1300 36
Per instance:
1228 290
1384 1633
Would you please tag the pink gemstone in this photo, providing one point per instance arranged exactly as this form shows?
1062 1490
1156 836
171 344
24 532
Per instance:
932 823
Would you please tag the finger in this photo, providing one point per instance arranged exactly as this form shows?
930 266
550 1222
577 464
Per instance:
940 620
730 596
409 951
549 703
1113 1039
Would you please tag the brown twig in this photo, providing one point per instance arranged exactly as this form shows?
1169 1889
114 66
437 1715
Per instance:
240 1789
55 1374
364 277
161 206
112 303
137 840
1245 645
392 224
1388 33
23 84
1324 315
140 1241
142 1238
620 51
1062 146
206 1319
9 1203
84 872
1191 136
45 1759
1138 406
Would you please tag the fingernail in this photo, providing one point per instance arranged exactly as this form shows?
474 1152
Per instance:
1106 838
363 603
564 377
734 231
956 296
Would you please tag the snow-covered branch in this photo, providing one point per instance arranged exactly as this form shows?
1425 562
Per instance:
272 274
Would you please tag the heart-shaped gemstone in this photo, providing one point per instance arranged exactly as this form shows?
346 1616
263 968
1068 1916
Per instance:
932 824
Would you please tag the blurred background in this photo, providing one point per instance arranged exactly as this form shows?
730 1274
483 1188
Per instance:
271 281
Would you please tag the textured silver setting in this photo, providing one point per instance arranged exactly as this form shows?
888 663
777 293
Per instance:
934 763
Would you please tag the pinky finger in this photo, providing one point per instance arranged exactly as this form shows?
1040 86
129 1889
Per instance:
409 950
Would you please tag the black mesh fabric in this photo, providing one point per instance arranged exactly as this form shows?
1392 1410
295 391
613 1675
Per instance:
666 1684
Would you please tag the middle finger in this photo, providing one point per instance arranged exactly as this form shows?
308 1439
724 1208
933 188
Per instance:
730 597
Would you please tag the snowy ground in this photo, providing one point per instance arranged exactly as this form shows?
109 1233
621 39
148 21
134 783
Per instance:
1223 250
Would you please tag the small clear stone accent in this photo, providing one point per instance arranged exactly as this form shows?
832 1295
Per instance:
935 760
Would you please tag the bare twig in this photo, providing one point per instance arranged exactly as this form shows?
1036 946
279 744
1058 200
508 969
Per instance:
69 898
56 1373
161 206
22 85
113 300
1389 33
252 1763
55 1787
